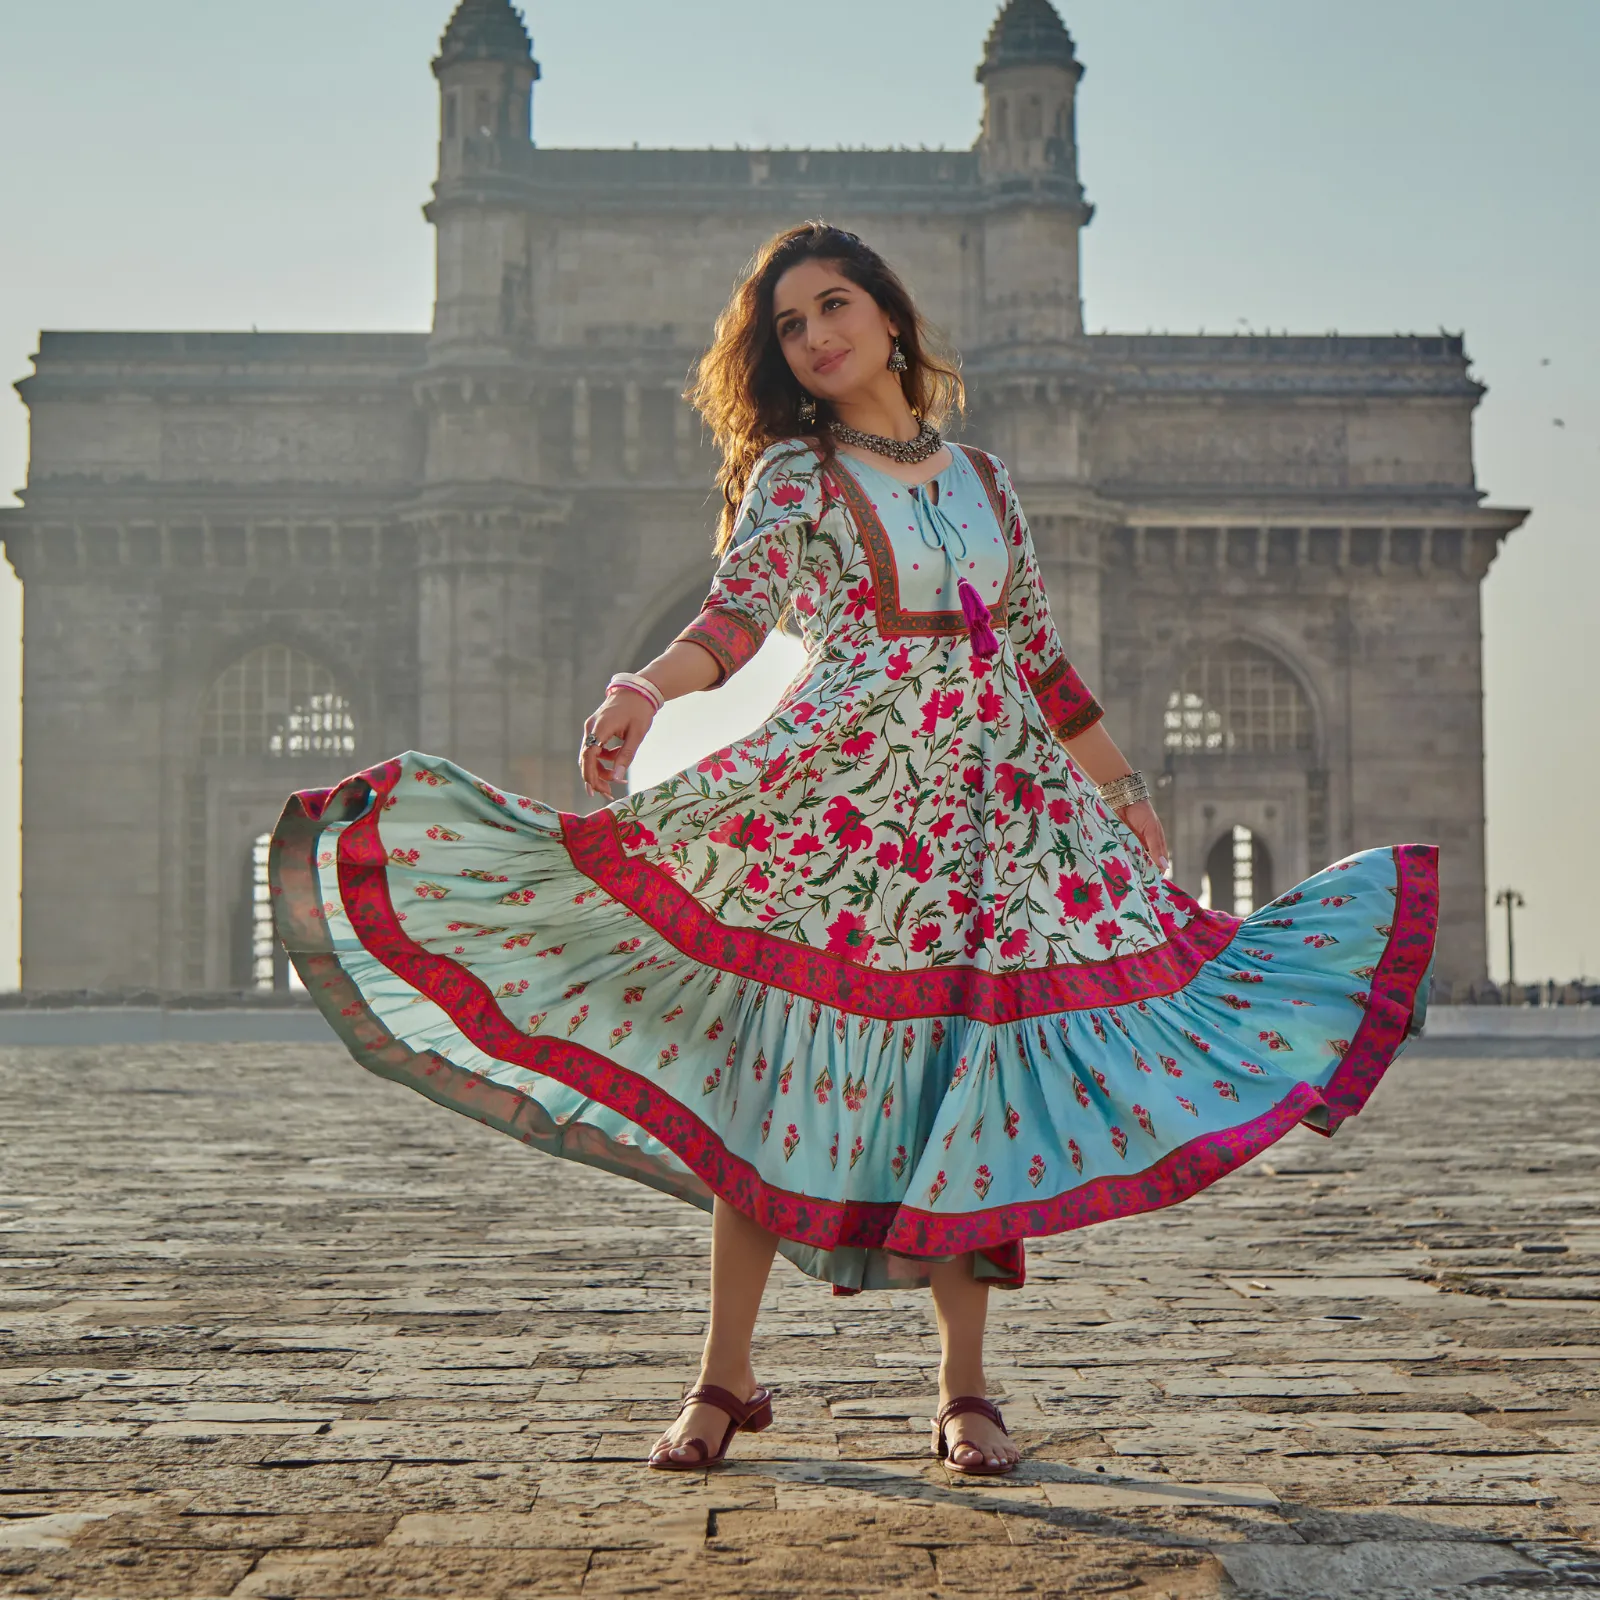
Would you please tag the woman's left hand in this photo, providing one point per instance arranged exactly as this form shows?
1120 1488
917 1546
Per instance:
1141 818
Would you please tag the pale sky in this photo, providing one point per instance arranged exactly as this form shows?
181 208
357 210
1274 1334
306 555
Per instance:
1369 166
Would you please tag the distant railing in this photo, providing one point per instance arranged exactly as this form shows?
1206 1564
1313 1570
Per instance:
159 999
1483 992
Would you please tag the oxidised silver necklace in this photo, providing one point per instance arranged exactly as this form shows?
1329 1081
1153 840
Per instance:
909 452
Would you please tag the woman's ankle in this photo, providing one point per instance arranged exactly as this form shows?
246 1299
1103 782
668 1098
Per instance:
735 1375
958 1382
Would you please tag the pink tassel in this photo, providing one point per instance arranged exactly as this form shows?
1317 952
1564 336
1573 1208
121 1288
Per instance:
984 643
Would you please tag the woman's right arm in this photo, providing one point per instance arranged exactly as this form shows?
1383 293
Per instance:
682 668
759 567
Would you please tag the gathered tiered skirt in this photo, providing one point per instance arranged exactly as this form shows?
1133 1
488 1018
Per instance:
531 970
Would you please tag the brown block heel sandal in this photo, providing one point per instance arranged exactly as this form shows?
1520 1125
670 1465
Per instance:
744 1416
961 1406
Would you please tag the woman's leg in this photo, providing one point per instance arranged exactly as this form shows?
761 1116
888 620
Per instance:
961 1303
741 1261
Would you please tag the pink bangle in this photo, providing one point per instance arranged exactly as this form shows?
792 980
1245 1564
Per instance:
639 685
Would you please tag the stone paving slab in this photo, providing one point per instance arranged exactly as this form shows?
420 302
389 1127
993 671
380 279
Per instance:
271 1327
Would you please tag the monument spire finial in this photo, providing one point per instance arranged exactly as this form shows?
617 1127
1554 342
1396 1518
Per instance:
1028 33
485 30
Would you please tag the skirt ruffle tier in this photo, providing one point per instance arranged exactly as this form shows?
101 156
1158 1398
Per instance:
571 995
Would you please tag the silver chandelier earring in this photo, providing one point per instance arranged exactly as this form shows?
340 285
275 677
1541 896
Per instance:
808 409
897 357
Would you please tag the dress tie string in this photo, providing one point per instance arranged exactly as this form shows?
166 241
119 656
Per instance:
937 531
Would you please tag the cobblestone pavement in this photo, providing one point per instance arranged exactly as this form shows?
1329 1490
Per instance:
274 1328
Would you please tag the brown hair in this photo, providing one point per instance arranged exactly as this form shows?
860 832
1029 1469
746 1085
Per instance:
743 387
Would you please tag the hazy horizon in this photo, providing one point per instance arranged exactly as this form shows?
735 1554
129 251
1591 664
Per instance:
1254 165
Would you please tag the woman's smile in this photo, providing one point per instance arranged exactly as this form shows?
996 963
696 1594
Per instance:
831 362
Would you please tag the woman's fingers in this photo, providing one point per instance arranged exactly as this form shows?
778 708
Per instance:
612 756
1146 827
1138 819
591 756
623 727
1157 845
585 752
630 748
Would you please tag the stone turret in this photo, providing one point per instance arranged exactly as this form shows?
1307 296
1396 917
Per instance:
1028 160
486 74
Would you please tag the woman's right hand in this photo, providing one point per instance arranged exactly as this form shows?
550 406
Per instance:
621 723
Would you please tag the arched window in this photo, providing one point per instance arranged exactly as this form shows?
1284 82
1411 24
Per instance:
1237 700
276 702
1238 875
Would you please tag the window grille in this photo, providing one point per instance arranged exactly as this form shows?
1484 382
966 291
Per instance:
1236 700
276 702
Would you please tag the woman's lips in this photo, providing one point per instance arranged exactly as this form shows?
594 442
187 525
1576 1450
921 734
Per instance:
828 363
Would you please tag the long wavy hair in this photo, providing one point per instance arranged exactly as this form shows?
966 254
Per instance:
743 388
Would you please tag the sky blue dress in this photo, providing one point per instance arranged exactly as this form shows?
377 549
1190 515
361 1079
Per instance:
885 973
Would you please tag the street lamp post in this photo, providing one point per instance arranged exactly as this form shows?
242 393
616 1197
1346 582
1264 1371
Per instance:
1513 902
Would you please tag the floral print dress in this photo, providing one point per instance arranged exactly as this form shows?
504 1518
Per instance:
885 974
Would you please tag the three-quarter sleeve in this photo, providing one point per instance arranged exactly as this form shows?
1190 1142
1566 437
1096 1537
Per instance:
1062 696
781 506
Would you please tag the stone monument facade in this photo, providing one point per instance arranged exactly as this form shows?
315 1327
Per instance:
254 563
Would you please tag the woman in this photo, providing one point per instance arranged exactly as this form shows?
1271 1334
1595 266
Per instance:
895 982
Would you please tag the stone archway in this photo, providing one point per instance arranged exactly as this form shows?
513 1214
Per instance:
272 720
1238 872
1242 771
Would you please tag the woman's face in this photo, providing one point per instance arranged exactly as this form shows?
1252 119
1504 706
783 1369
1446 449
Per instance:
834 335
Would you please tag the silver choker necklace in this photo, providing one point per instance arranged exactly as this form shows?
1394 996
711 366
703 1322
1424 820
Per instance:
906 451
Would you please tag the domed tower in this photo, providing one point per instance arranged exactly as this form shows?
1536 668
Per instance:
1028 158
486 74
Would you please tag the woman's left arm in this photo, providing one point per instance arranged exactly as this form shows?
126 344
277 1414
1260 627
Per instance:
1071 710
1096 752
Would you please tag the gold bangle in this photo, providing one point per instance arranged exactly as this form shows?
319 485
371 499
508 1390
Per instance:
1125 791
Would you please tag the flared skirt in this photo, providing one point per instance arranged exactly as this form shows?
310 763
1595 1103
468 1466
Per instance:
557 991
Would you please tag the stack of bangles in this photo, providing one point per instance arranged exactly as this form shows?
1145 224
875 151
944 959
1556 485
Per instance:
1125 791
640 686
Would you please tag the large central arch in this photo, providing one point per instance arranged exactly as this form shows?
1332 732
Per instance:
1244 777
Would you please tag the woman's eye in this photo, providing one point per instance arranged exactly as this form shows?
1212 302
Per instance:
787 329
828 305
